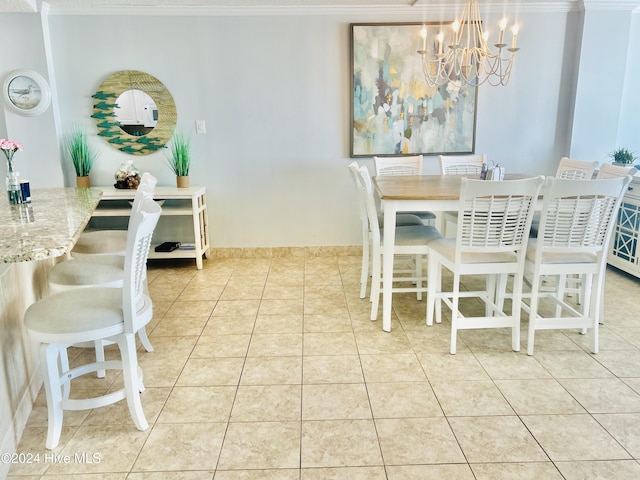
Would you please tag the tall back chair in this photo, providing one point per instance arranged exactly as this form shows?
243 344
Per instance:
573 284
575 169
113 242
608 170
402 219
573 238
461 164
411 165
409 240
93 314
493 228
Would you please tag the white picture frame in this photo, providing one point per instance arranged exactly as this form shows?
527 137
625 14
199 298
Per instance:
26 92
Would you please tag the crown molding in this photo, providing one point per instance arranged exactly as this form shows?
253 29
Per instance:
93 8
610 5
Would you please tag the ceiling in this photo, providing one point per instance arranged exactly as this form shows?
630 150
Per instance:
97 6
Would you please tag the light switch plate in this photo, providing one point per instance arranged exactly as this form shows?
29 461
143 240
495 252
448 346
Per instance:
200 126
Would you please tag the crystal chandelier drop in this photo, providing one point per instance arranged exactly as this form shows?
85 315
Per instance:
467 60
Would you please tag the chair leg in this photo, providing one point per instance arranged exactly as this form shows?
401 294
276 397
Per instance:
594 307
375 283
434 289
99 347
144 339
49 354
560 292
438 304
64 367
491 282
127 345
501 292
364 272
418 272
516 305
454 312
533 312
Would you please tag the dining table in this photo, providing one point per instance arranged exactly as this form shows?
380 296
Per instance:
409 193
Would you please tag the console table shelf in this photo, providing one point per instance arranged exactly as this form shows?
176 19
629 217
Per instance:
183 202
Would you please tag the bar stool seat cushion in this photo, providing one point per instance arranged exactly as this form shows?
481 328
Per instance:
88 313
101 242
102 270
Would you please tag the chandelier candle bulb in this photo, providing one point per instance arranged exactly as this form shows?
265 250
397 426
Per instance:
503 25
515 36
423 34
440 41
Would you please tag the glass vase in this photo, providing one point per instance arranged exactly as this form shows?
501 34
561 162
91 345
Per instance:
127 176
13 187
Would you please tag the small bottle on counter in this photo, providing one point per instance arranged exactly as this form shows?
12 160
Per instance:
483 172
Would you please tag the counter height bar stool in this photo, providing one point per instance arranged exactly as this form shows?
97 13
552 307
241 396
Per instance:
93 314
575 230
409 240
101 269
492 232
402 219
573 284
112 242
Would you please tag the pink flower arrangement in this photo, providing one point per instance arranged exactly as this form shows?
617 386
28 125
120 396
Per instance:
9 147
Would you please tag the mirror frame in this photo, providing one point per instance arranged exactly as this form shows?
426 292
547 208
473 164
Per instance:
104 106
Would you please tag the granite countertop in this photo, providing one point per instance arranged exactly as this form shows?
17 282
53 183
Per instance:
47 227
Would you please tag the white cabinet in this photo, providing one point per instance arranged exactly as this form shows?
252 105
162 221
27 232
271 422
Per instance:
176 202
624 252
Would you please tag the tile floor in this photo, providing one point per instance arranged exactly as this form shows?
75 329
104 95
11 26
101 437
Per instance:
271 369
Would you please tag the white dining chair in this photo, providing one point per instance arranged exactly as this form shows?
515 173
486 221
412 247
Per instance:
462 164
459 165
493 228
409 240
571 169
407 165
90 314
401 220
607 170
112 242
572 284
576 222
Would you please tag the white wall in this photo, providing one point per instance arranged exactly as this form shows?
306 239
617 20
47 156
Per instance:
274 92
22 46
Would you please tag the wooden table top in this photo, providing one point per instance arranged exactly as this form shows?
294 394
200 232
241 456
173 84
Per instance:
424 187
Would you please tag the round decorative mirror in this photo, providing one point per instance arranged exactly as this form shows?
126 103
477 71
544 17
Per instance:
134 112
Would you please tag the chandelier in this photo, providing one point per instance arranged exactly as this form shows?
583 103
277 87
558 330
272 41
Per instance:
468 59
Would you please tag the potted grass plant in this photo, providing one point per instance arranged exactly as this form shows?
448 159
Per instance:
81 155
623 156
180 159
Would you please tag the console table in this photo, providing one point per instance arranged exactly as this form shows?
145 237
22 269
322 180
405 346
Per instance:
175 202
624 251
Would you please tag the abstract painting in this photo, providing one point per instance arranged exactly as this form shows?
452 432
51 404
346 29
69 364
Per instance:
394 111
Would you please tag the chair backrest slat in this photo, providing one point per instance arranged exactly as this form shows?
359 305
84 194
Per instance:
141 226
461 164
575 169
496 216
579 215
608 170
411 165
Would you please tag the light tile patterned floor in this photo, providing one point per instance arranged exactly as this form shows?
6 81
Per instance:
270 369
